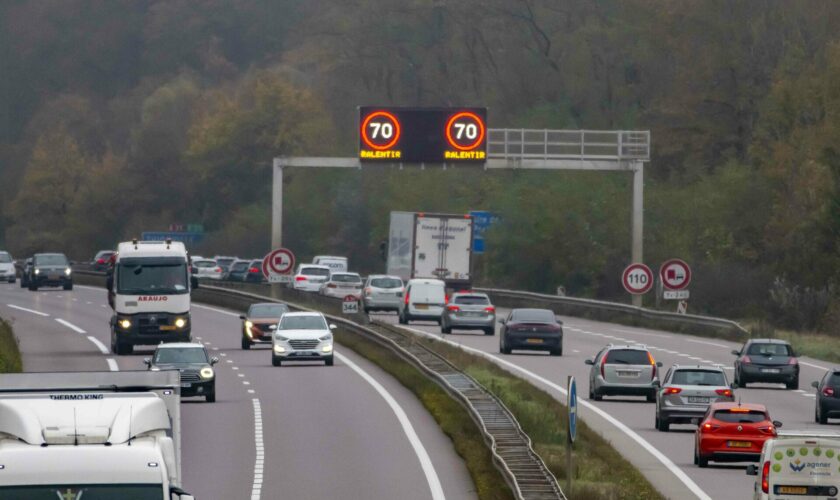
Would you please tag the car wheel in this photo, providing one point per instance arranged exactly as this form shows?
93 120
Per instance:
821 418
329 361
246 344
445 329
503 347
403 321
695 455
662 424
794 384
556 352
597 395
33 288
211 398
651 398
489 331
276 361
702 461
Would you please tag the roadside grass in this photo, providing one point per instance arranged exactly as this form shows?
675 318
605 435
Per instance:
10 360
599 472
811 344
449 414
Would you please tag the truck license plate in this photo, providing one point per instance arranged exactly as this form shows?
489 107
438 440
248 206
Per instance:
167 327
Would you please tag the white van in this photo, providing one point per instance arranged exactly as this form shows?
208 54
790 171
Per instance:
798 464
336 264
423 299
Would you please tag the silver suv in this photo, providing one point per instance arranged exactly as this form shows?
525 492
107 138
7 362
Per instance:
469 311
687 392
623 370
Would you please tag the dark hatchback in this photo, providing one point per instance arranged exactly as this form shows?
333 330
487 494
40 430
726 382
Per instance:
237 270
828 397
766 360
197 375
532 330
49 269
260 322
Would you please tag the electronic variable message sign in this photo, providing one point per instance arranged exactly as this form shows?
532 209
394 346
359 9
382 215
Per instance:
422 135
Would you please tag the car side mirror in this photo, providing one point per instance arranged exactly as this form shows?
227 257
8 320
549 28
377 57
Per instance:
333 327
736 352
589 361
147 361
241 316
213 361
752 470
777 423
815 384
659 364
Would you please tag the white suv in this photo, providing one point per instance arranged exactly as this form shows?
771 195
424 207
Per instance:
310 277
7 267
302 336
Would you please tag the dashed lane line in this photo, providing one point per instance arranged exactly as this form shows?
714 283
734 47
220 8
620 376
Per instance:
259 461
39 313
70 325
112 365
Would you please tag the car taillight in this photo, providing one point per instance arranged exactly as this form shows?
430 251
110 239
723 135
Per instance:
446 299
603 361
218 269
332 285
100 261
767 429
828 391
724 392
300 278
368 291
710 427
673 390
253 270
406 299
746 360
490 309
792 361
765 479
453 308
652 364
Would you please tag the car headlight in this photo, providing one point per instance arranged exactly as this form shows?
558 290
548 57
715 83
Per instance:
180 322
248 324
279 348
37 271
327 348
206 372
155 369
125 323
280 337
68 271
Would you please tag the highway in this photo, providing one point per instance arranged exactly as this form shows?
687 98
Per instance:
584 338
302 431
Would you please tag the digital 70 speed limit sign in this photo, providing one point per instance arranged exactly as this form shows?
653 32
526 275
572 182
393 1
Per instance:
416 135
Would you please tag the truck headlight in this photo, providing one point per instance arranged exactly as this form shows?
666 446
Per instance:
126 324
279 348
206 372
327 348
37 271
180 322
68 271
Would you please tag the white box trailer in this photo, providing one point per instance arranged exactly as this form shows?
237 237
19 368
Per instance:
432 246
91 435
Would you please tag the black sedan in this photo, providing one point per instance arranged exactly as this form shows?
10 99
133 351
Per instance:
197 375
828 397
49 269
766 360
533 330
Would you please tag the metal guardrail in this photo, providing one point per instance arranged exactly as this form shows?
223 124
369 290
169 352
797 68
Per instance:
525 144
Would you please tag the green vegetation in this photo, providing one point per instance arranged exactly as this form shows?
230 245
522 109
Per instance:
10 361
449 414
125 116
816 345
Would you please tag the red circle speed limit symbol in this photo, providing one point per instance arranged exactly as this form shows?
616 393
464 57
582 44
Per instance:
380 130
465 131
637 279
675 274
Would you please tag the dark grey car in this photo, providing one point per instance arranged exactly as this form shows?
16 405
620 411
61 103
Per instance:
196 367
766 360
49 269
828 397
469 311
532 330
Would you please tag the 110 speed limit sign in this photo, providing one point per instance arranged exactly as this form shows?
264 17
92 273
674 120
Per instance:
637 279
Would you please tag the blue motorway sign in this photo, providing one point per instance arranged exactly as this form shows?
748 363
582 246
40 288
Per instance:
482 220
187 238
573 407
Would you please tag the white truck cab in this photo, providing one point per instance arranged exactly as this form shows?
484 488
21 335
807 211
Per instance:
149 291
798 464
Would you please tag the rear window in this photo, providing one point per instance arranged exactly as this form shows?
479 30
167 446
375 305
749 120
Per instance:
769 350
535 315
315 271
698 377
346 278
628 357
740 417
386 283
204 263
239 266
472 300
834 379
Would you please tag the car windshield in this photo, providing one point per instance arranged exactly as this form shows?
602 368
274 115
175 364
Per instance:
740 417
204 263
628 357
386 283
82 491
769 350
267 310
315 271
303 323
50 260
472 300
698 377
181 355
152 276
533 315
5 258
346 278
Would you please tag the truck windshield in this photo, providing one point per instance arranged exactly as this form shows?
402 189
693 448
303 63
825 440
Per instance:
83 492
152 276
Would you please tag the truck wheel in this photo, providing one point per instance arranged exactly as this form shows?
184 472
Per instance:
275 361
33 288
211 397
68 286
123 349
246 344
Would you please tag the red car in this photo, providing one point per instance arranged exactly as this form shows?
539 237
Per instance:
733 432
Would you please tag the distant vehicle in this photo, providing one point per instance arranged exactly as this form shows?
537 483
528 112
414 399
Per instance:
255 272
424 300
224 262
766 360
259 323
623 370
25 271
827 403
791 450
197 375
207 269
431 246
49 269
531 330
310 277
194 258
303 336
238 270
336 264
340 285
102 261
687 392
733 432
7 267
382 293
469 311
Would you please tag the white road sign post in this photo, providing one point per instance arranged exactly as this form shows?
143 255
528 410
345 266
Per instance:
637 278
278 265
350 305
675 275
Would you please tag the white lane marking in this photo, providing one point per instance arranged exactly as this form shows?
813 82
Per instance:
102 305
634 332
229 361
88 302
75 300
575 350
251 391
222 311
70 325
238 374
683 355
707 343
799 390
234 367
671 466
215 348
222 354
99 344
245 382
813 366
39 313
112 364
259 460
419 450
59 296
694 358
810 395
199 338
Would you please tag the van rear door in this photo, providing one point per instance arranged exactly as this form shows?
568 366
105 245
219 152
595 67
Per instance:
803 468
427 299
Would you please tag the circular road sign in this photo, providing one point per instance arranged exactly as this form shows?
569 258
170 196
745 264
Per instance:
637 279
380 130
675 274
278 262
465 131
571 403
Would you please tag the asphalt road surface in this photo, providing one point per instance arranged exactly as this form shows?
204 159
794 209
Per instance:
302 431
